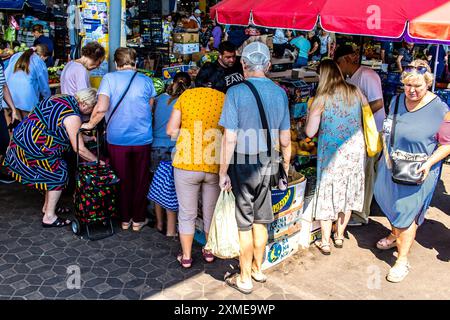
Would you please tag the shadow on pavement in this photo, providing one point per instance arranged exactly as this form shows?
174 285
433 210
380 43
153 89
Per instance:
433 234
441 198
367 236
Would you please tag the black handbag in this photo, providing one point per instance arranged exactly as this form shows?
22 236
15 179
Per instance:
404 164
278 177
103 125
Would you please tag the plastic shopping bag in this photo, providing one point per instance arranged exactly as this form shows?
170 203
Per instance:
223 238
371 135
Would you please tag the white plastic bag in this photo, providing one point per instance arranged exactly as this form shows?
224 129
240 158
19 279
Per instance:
223 238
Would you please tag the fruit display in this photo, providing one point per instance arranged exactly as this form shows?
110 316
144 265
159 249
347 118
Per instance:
159 85
148 73
309 172
54 73
209 57
307 147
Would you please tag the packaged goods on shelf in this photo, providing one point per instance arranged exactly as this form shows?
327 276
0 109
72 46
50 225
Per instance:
187 48
185 38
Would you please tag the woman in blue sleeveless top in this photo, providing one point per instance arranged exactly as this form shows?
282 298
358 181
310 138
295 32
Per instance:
422 126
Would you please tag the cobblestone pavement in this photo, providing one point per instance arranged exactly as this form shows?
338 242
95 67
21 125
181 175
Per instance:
34 262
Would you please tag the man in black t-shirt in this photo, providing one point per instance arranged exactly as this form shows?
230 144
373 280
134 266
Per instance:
227 64
314 53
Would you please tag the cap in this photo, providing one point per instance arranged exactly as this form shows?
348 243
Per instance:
257 53
198 11
343 50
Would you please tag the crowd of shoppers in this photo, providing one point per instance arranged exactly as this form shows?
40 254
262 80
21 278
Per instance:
200 139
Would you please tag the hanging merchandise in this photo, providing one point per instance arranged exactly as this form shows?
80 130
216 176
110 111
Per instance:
95 26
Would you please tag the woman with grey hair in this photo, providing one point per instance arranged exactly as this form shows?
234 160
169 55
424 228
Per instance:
35 153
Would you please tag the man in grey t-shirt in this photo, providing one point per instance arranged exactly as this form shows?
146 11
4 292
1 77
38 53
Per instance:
245 166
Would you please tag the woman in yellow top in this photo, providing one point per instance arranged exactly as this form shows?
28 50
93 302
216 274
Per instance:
195 124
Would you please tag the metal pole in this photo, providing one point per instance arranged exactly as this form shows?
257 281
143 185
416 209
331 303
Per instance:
435 67
115 16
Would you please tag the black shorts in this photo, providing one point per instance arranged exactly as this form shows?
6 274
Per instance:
250 181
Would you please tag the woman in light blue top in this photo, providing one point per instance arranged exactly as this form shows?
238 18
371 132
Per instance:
422 126
125 98
27 78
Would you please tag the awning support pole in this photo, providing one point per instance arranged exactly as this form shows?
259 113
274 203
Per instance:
435 67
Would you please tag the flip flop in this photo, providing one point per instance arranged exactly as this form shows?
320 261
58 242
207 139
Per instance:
185 263
207 255
58 223
61 210
232 282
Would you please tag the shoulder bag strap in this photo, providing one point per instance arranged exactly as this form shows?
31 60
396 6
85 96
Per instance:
120 100
262 114
394 120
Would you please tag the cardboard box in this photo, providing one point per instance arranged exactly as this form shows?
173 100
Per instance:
196 57
170 72
283 74
285 226
186 37
187 48
289 200
305 75
279 250
185 58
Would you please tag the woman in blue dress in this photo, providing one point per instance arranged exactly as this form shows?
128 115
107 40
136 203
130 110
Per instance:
422 127
27 78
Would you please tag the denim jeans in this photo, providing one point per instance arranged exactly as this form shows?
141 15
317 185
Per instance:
301 62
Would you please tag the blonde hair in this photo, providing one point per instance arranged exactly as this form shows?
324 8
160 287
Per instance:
88 96
413 76
332 83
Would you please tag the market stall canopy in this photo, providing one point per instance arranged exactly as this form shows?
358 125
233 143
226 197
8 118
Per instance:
38 5
429 20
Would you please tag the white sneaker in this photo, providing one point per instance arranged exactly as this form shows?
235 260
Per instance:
398 272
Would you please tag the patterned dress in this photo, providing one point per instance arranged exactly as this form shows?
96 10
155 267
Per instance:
341 157
34 155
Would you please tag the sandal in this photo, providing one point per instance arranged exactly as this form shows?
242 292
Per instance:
60 211
58 223
323 247
126 225
207 255
386 244
185 263
137 226
398 272
232 281
259 277
338 242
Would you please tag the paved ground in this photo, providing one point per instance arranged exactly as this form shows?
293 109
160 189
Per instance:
34 262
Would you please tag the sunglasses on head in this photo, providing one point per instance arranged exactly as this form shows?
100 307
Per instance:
419 69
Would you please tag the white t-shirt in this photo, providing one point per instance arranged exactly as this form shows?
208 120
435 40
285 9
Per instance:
74 77
369 83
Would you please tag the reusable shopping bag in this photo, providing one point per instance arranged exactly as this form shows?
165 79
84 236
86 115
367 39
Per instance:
223 238
371 134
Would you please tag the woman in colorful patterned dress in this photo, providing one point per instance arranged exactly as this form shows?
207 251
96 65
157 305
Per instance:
336 114
35 153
